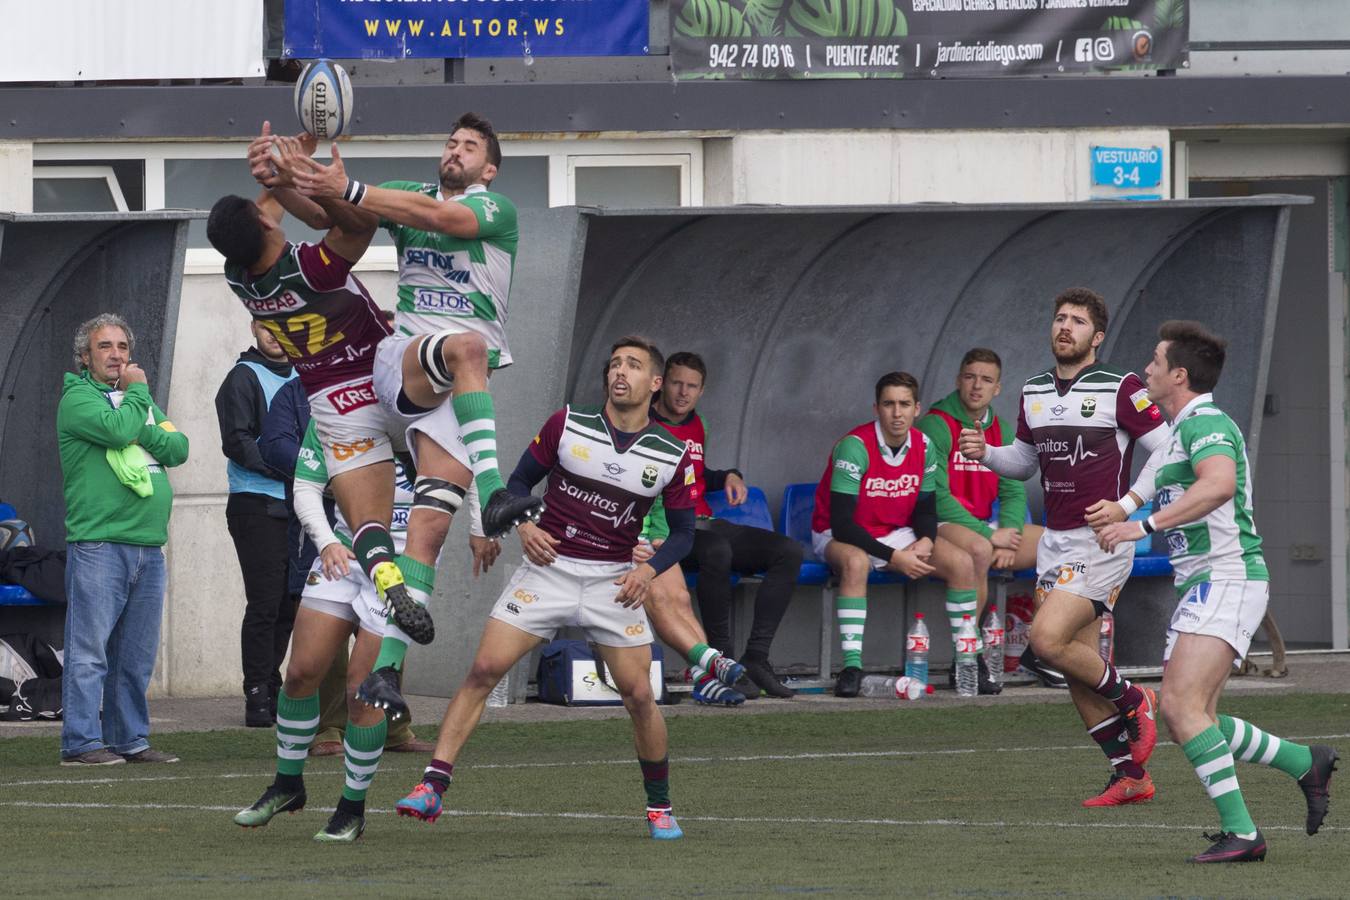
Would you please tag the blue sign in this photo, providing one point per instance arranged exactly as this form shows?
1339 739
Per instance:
1127 167
402 29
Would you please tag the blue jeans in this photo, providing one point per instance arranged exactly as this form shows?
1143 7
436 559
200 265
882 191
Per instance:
115 596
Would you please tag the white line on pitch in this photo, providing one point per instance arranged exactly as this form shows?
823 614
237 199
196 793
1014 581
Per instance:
749 820
766 757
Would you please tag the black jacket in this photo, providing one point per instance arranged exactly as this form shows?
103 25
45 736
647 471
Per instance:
241 407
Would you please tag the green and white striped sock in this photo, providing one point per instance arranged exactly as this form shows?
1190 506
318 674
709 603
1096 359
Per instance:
364 745
1251 744
419 578
478 428
703 656
297 723
959 605
1213 762
852 615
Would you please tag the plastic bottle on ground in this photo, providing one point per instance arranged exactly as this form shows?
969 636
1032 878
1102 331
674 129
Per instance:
993 644
501 694
916 651
967 670
888 687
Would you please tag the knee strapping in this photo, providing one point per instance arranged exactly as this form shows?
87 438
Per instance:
432 359
437 495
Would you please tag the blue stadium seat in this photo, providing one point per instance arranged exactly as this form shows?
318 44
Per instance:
12 594
1147 562
753 513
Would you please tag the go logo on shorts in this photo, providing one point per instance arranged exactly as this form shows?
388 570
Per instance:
635 630
343 452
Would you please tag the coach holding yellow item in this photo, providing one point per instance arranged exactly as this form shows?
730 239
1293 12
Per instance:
115 444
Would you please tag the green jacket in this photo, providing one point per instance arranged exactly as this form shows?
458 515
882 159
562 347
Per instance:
1012 495
98 506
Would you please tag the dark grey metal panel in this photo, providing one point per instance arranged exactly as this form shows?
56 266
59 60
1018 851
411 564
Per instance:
56 271
799 310
225 111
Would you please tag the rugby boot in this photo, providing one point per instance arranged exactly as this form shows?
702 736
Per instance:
274 800
747 687
504 511
762 675
1049 677
1316 785
849 682
1141 723
1228 847
711 692
408 614
987 685
342 828
423 803
1122 790
381 691
727 670
662 825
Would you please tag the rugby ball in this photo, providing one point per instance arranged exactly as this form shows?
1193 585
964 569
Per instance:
323 99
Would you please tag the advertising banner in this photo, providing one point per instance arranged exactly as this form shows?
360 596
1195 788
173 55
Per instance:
923 38
402 29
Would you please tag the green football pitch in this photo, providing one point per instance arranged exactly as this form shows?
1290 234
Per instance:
972 801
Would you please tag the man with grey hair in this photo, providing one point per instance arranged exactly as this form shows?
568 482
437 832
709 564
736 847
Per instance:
115 444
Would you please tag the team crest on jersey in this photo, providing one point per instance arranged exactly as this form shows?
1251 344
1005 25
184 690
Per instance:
649 473
1089 407
1177 543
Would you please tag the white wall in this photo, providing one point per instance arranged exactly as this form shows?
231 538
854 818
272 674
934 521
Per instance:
16 176
915 166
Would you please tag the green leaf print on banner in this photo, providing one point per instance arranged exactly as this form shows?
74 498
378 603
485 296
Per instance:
1169 14
763 17
712 19
846 18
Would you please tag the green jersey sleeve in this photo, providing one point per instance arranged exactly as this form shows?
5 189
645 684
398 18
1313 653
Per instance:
415 187
496 214
848 462
654 527
1206 436
310 465
932 461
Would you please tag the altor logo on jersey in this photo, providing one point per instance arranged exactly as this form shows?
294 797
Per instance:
284 302
899 486
448 303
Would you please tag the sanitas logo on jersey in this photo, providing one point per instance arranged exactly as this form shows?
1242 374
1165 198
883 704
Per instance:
590 498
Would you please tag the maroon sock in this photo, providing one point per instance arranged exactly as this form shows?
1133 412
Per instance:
1114 740
438 775
1119 691
656 781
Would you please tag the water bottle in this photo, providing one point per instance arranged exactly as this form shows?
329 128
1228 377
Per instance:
993 644
501 694
1106 640
916 651
888 687
967 647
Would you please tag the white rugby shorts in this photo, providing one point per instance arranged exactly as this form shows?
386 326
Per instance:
900 538
352 428
439 424
1228 610
542 599
1071 561
352 599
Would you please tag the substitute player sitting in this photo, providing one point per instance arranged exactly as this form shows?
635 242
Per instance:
966 490
1078 424
876 509
337 599
604 468
1204 490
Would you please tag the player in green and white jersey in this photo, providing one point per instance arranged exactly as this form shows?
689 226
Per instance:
457 244
1204 492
